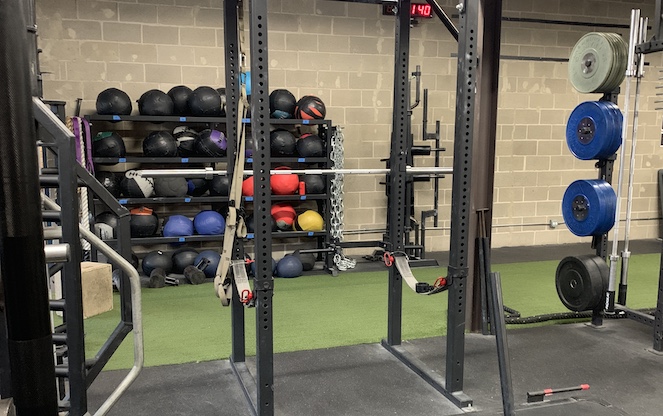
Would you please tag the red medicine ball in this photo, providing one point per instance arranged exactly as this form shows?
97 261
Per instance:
247 186
283 184
284 215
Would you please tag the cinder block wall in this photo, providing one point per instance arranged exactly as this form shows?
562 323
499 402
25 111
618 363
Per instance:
343 52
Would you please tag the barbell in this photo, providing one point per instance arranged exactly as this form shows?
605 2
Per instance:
209 173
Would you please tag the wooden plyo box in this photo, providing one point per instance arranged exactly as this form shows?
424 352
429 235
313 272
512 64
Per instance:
97 285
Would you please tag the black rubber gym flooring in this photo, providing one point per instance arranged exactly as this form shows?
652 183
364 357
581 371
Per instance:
626 378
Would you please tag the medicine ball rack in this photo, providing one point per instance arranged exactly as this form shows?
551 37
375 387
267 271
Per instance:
324 128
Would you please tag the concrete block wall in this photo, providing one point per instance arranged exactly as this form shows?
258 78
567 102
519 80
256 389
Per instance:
343 52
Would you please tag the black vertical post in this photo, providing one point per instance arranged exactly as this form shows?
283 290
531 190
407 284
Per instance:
397 163
22 260
658 315
31 24
233 62
263 281
461 213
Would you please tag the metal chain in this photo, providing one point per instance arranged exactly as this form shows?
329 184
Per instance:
336 201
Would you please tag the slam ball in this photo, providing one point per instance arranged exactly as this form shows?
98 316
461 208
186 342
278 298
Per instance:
171 187
155 103
289 266
143 222
133 185
157 260
209 222
108 144
182 258
205 102
219 186
185 137
180 96
211 143
197 187
208 262
310 107
314 184
282 104
159 144
178 226
112 101
310 145
286 184
282 143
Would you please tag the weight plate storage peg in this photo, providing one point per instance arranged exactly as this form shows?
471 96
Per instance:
589 207
594 130
581 281
598 63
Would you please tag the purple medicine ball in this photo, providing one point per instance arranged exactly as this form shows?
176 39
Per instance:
211 143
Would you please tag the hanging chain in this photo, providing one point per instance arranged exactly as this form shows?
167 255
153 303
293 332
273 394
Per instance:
336 201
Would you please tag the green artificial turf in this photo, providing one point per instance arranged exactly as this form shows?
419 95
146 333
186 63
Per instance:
187 323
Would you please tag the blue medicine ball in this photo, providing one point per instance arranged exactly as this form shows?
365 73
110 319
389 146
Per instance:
208 262
209 223
178 226
289 266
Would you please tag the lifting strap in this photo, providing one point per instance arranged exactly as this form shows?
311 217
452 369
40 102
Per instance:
401 262
235 226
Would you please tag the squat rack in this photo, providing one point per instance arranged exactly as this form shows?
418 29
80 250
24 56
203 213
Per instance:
479 20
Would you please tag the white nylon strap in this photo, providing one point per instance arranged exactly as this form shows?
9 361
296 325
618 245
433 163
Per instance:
403 268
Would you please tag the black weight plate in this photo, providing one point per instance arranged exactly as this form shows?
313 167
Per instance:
580 282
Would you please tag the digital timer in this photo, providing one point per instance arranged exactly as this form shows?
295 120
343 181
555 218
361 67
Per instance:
416 10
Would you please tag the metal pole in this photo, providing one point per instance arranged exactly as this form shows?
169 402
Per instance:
208 173
22 261
499 326
630 71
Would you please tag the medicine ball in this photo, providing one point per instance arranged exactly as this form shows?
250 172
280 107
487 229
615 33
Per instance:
219 186
143 222
284 184
110 181
178 226
311 145
284 216
180 96
222 94
185 137
209 222
160 144
282 104
133 185
310 107
247 186
105 225
282 143
157 260
205 102
309 220
208 262
253 267
155 103
211 143
289 266
171 187
112 101
182 258
197 187
250 227
308 260
314 184
108 144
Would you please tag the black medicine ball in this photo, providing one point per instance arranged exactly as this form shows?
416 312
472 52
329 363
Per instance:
171 187
222 94
205 102
108 144
180 96
219 186
185 137
282 143
110 181
105 225
211 143
197 186
155 103
135 186
282 104
157 260
182 258
143 222
314 184
160 144
250 227
113 101
310 107
311 145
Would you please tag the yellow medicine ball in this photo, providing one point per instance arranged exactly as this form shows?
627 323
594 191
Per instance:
309 220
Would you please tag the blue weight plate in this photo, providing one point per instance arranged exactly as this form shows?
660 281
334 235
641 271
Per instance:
588 207
614 141
590 125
